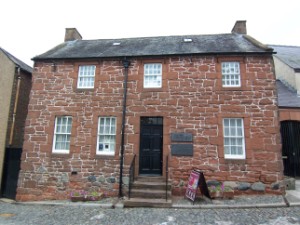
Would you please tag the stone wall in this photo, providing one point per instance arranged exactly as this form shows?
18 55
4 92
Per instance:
191 100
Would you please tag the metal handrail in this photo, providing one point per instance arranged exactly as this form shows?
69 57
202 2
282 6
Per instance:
167 176
131 175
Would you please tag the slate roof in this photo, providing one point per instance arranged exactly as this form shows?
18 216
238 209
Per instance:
18 62
289 55
156 46
287 97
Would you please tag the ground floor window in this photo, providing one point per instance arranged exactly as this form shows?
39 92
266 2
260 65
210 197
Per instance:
62 134
234 138
106 140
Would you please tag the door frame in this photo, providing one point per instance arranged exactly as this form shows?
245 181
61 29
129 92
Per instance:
158 124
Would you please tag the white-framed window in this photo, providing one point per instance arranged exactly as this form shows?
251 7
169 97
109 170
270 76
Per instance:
106 140
231 76
62 134
152 75
86 76
234 138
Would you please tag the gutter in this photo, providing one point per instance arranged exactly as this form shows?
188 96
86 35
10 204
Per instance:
15 107
126 65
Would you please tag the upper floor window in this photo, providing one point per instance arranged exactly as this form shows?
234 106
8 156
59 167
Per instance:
86 76
153 75
231 76
62 134
106 140
234 139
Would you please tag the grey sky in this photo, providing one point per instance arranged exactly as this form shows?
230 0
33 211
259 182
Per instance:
31 27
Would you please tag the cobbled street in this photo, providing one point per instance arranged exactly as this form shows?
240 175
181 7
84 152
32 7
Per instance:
42 214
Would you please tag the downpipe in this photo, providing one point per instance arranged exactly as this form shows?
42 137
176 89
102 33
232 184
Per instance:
126 65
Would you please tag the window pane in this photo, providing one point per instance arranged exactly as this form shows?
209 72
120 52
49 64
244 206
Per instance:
226 132
226 122
227 150
227 141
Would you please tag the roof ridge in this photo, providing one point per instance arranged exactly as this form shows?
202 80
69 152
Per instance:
146 37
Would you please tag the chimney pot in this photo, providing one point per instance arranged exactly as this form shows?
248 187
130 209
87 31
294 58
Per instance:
72 34
240 27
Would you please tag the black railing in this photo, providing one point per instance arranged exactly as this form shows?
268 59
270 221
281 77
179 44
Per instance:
167 176
131 175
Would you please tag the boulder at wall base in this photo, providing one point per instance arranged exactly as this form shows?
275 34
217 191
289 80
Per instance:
232 184
92 178
101 179
258 186
111 180
275 186
243 186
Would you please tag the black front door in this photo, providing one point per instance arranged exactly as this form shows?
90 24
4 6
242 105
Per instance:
11 170
151 142
290 133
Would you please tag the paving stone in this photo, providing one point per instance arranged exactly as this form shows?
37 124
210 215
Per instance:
62 214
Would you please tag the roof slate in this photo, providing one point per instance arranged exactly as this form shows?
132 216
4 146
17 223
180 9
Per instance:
286 97
18 62
154 46
289 55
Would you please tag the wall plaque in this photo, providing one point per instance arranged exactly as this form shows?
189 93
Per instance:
181 137
182 149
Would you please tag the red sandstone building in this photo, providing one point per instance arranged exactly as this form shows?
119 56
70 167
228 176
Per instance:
175 103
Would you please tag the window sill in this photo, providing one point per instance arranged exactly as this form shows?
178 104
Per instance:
84 89
152 89
235 161
235 88
98 156
60 155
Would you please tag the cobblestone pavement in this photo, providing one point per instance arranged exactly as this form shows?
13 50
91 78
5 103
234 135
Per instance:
43 214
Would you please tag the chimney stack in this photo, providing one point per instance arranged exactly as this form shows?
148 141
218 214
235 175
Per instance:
72 34
239 27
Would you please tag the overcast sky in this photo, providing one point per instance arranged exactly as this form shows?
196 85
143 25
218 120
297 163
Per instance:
31 27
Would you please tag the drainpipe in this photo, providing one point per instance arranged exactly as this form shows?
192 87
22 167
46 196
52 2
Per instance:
126 64
15 108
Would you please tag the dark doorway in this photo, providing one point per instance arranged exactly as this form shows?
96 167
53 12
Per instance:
11 172
151 142
290 135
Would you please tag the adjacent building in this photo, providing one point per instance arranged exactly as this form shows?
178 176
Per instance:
287 67
15 85
172 103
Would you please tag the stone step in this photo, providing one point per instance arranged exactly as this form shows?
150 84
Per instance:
150 185
142 202
150 179
149 193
